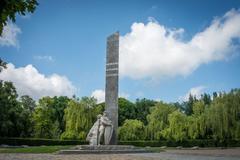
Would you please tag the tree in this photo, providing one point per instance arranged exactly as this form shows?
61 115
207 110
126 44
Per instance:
9 9
59 104
189 104
223 117
126 110
28 105
9 110
197 121
3 65
206 98
143 109
158 120
44 119
79 117
131 129
177 126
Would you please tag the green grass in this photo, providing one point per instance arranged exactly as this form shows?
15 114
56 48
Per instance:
155 149
35 149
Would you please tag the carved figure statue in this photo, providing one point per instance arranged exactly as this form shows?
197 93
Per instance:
106 128
93 134
102 127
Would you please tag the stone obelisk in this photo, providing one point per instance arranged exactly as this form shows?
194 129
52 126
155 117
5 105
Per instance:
111 90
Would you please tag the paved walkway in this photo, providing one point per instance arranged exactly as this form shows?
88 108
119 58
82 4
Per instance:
17 156
183 154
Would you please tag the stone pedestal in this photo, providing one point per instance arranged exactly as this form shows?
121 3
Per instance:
103 149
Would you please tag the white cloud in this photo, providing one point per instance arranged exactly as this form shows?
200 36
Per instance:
195 91
99 94
46 58
9 35
158 51
28 80
124 95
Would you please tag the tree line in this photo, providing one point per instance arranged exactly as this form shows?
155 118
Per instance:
214 116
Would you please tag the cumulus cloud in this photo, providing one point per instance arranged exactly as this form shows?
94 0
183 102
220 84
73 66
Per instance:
9 35
124 95
28 80
153 51
99 94
195 91
45 58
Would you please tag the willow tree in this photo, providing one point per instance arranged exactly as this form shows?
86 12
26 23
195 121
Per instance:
197 121
79 116
224 116
158 120
131 129
177 126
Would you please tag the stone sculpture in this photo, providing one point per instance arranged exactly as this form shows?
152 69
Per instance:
102 128
93 134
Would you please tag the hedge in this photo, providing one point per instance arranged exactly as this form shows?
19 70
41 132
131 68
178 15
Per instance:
39 142
185 143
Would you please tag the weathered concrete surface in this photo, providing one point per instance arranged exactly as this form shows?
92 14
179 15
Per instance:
20 156
104 149
111 90
183 154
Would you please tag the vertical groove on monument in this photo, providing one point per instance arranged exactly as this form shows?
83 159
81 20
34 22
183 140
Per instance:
111 90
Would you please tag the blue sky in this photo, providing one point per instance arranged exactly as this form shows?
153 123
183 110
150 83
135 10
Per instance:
168 49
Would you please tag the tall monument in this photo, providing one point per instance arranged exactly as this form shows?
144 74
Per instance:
111 90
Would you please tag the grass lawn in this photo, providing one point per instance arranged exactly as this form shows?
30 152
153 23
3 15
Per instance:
155 149
34 149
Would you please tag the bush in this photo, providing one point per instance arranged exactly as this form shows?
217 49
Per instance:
185 143
39 142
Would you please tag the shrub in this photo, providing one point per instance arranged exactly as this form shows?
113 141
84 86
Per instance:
39 142
184 143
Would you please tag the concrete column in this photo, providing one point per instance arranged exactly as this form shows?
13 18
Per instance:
111 90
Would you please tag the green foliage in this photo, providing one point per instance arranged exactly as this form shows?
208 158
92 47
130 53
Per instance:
44 119
28 105
10 110
79 117
197 121
158 120
126 110
59 105
48 117
184 143
177 126
223 116
3 65
189 104
9 9
131 130
39 142
214 120
143 109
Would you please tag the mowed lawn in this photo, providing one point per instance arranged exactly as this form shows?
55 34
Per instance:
34 149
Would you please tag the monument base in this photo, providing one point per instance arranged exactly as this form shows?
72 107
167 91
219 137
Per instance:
103 149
